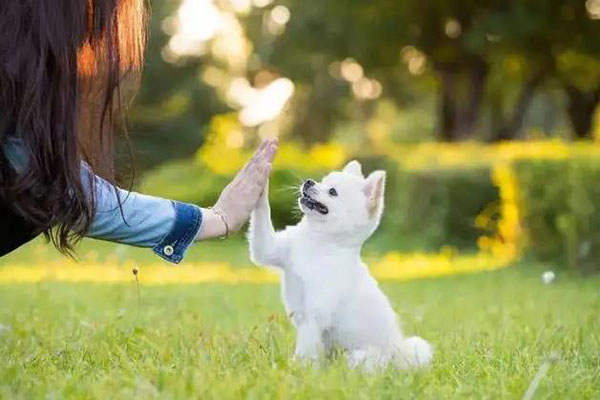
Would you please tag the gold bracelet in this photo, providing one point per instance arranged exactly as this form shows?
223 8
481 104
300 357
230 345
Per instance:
218 212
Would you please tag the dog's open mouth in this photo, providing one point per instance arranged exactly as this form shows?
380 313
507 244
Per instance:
312 204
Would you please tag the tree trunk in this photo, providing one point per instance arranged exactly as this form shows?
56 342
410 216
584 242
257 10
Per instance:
315 124
581 110
447 104
459 114
316 111
511 125
469 115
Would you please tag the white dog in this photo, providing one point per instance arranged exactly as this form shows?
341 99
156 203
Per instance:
333 301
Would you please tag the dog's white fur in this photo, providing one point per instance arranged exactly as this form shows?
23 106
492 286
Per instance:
328 292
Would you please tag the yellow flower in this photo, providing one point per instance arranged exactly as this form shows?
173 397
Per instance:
320 157
328 156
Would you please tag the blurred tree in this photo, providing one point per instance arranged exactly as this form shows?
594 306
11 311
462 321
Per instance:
445 32
514 37
482 60
461 43
546 41
173 105
317 51
577 62
319 97
381 34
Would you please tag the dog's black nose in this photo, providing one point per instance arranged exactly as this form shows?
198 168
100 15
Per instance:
307 185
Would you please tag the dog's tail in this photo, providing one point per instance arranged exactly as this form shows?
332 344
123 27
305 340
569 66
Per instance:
414 352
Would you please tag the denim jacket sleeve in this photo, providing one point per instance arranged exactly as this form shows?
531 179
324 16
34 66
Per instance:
166 226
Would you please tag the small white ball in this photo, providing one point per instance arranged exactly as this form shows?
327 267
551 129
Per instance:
548 277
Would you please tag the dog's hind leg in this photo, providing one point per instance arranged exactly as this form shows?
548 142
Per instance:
309 342
368 359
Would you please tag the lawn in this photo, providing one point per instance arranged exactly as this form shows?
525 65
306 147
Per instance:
492 332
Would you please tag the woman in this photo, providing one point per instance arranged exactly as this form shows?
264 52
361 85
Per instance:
65 66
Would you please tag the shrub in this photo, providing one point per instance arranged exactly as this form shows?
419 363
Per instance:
429 209
442 205
560 212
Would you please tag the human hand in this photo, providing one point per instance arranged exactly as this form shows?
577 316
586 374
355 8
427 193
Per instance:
241 195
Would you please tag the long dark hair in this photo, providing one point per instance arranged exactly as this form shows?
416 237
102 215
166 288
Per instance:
63 65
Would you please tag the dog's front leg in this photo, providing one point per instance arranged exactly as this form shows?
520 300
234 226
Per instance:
265 246
309 342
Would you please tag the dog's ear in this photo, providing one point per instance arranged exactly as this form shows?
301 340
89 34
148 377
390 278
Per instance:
374 190
354 168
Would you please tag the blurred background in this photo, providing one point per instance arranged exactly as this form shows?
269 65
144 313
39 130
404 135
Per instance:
484 113
431 91
366 73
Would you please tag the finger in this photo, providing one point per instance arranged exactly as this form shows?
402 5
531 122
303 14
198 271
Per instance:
250 162
257 177
257 155
263 176
267 171
265 153
267 175
262 155
262 180
262 146
271 151
261 149
260 172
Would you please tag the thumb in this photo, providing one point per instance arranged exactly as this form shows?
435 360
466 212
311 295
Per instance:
264 196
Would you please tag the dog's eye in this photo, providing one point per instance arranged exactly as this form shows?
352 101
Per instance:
333 192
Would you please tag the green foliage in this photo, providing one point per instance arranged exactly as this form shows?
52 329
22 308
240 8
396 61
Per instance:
442 205
185 181
173 104
560 210
283 196
469 50
491 333
583 70
434 208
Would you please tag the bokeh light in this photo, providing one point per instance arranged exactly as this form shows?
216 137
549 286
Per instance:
195 22
351 70
593 8
452 28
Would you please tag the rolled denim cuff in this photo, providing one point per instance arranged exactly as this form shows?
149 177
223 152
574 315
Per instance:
188 219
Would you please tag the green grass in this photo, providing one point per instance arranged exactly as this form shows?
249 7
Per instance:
491 331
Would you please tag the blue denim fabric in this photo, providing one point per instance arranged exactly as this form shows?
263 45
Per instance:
188 219
166 226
